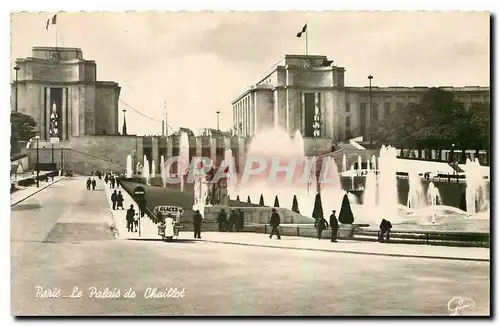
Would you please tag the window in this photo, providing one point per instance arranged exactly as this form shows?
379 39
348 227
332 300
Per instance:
362 118
387 109
347 107
347 125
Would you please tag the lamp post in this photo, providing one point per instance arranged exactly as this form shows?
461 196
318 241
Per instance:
16 68
37 162
370 77
53 161
124 128
218 112
452 154
62 160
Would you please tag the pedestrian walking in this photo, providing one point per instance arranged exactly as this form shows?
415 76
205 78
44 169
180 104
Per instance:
197 218
94 184
321 225
119 200
130 218
222 220
334 224
385 229
275 223
232 220
116 182
114 199
89 182
106 179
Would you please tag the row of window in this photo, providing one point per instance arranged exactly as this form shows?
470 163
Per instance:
363 106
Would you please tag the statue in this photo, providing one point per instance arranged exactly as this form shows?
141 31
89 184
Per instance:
53 122
317 121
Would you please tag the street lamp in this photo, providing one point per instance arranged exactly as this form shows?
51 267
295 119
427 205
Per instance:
53 161
452 154
37 162
124 128
218 112
16 68
370 77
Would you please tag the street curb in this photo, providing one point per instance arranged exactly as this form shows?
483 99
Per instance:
40 189
350 252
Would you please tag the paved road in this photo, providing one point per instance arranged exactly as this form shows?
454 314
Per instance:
218 279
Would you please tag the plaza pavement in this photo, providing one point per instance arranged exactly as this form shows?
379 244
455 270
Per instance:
21 194
217 279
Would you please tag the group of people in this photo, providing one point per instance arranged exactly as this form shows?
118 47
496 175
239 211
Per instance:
112 179
321 224
132 219
235 222
91 183
117 200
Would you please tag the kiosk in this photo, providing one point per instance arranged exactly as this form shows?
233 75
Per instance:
169 221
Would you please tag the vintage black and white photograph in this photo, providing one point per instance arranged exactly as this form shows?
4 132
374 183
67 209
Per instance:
265 163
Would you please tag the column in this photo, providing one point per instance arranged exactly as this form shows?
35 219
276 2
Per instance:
241 155
287 116
302 113
64 115
213 146
154 154
69 111
170 148
46 123
255 126
198 146
275 114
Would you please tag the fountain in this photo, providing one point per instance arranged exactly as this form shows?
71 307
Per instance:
416 197
153 169
183 163
344 163
330 187
433 196
374 162
388 182
163 171
476 192
367 166
145 170
130 169
276 145
231 164
371 189
359 165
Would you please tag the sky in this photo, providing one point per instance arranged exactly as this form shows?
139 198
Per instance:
198 62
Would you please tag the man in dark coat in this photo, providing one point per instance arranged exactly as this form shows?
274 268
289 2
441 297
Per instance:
232 220
114 199
275 223
89 182
241 220
197 218
334 224
94 183
222 220
385 229
119 200
130 218
321 225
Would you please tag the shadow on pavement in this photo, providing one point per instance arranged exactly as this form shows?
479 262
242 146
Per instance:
160 240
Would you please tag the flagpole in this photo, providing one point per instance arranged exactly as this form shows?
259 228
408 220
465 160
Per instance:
307 45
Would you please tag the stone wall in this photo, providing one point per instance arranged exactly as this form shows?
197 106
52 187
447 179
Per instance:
260 215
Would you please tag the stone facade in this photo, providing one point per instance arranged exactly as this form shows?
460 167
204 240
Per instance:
61 79
288 95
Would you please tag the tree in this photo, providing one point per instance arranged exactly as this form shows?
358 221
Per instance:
237 197
437 122
22 128
276 201
248 200
318 208
295 205
261 201
346 216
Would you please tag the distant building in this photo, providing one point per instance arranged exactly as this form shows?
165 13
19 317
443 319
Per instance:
61 80
308 93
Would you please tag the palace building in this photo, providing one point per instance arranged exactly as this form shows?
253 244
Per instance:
308 93
59 89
